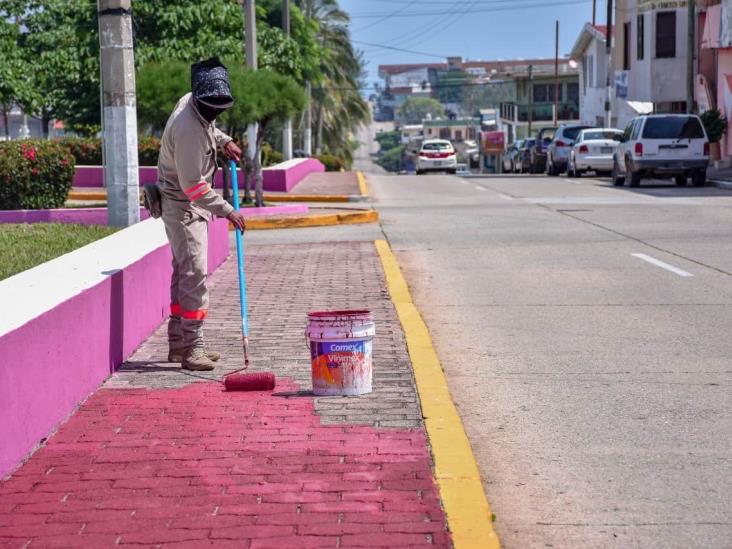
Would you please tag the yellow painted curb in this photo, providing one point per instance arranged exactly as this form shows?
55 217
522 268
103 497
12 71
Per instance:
362 186
456 471
314 220
102 195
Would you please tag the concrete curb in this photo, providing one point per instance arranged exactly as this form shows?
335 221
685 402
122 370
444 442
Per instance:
721 183
313 220
456 471
362 185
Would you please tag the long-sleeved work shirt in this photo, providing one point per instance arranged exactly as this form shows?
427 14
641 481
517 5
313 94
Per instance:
187 161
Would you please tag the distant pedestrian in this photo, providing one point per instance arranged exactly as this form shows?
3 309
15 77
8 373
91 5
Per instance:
186 168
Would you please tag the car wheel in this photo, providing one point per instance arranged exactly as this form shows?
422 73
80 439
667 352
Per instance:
680 180
419 172
618 179
577 173
452 172
635 179
699 179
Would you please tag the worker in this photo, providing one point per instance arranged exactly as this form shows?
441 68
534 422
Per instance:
186 167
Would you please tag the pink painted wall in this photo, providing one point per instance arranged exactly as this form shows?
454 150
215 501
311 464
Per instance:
724 64
63 355
276 178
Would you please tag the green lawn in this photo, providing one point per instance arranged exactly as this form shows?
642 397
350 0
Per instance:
23 246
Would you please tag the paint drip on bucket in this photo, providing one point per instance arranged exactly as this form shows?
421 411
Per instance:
340 345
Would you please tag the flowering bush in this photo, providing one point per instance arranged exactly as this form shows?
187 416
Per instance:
34 175
88 150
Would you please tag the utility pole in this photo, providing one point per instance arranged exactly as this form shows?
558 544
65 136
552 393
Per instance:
119 112
691 50
308 135
250 32
287 129
556 74
531 98
594 12
609 61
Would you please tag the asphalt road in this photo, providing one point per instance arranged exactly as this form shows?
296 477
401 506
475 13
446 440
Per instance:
585 333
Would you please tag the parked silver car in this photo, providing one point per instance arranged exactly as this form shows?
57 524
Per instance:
557 153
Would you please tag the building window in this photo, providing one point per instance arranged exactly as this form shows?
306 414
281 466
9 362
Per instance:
626 46
444 133
666 34
544 93
641 37
591 72
573 92
471 133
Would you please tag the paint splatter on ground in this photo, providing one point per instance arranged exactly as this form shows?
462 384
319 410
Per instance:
199 466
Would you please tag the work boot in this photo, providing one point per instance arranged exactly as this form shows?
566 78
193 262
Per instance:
176 355
197 360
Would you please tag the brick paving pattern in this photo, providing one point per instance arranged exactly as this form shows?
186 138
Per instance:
159 457
284 282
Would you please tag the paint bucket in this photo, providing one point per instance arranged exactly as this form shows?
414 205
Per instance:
340 345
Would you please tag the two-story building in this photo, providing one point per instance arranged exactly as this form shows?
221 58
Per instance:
650 52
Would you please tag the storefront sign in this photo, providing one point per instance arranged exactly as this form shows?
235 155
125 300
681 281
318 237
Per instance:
621 84
649 5
493 142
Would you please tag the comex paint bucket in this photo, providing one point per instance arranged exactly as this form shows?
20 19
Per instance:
340 348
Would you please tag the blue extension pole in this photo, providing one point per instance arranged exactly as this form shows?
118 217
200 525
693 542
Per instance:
240 265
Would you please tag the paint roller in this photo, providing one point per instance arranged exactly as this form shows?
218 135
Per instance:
237 381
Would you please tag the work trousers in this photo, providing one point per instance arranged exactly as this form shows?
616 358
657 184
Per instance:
188 236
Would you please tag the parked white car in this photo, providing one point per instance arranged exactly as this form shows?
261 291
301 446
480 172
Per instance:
436 155
662 145
593 151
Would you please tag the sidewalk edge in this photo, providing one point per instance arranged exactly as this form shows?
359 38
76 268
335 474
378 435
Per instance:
362 185
311 220
456 471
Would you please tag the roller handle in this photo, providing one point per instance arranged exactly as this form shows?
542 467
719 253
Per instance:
240 254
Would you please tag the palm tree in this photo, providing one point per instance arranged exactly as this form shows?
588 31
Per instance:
339 107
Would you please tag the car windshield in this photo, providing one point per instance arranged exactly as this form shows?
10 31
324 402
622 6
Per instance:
600 134
572 132
548 133
442 147
673 127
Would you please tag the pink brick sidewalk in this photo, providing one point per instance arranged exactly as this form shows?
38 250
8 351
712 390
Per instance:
163 458
197 467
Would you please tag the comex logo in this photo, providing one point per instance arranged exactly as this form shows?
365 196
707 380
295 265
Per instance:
352 347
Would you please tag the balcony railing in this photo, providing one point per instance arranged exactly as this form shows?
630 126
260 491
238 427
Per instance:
540 113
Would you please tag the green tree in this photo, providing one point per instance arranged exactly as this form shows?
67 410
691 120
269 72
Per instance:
416 109
159 87
263 97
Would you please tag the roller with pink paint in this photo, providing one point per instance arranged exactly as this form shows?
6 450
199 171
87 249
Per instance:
341 345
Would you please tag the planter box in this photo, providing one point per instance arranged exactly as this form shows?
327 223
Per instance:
68 323
282 177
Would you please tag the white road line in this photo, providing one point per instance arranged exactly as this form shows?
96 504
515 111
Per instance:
505 196
572 181
479 189
465 182
661 264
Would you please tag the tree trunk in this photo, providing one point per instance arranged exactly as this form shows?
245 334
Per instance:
247 172
6 120
45 120
258 187
319 137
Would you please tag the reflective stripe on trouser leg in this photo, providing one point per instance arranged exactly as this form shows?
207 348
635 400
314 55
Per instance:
188 236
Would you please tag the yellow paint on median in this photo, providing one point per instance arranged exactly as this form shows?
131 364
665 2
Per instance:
468 513
362 186
311 220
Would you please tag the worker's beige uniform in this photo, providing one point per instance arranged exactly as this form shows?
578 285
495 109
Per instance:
186 166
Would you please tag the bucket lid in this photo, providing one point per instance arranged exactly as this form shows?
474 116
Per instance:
355 314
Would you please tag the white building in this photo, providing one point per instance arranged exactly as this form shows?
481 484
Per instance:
650 51
590 53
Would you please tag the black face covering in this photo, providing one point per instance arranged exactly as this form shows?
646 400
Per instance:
208 113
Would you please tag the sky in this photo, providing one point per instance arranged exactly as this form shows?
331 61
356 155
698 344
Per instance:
473 29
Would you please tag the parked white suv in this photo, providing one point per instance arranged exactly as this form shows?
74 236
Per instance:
662 145
437 155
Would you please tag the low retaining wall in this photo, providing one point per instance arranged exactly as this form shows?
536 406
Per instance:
282 177
98 216
68 323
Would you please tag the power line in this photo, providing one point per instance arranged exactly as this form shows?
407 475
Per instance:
511 7
399 49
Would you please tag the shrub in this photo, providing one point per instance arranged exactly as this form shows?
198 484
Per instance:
715 123
34 175
331 162
148 148
270 157
87 151
391 159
